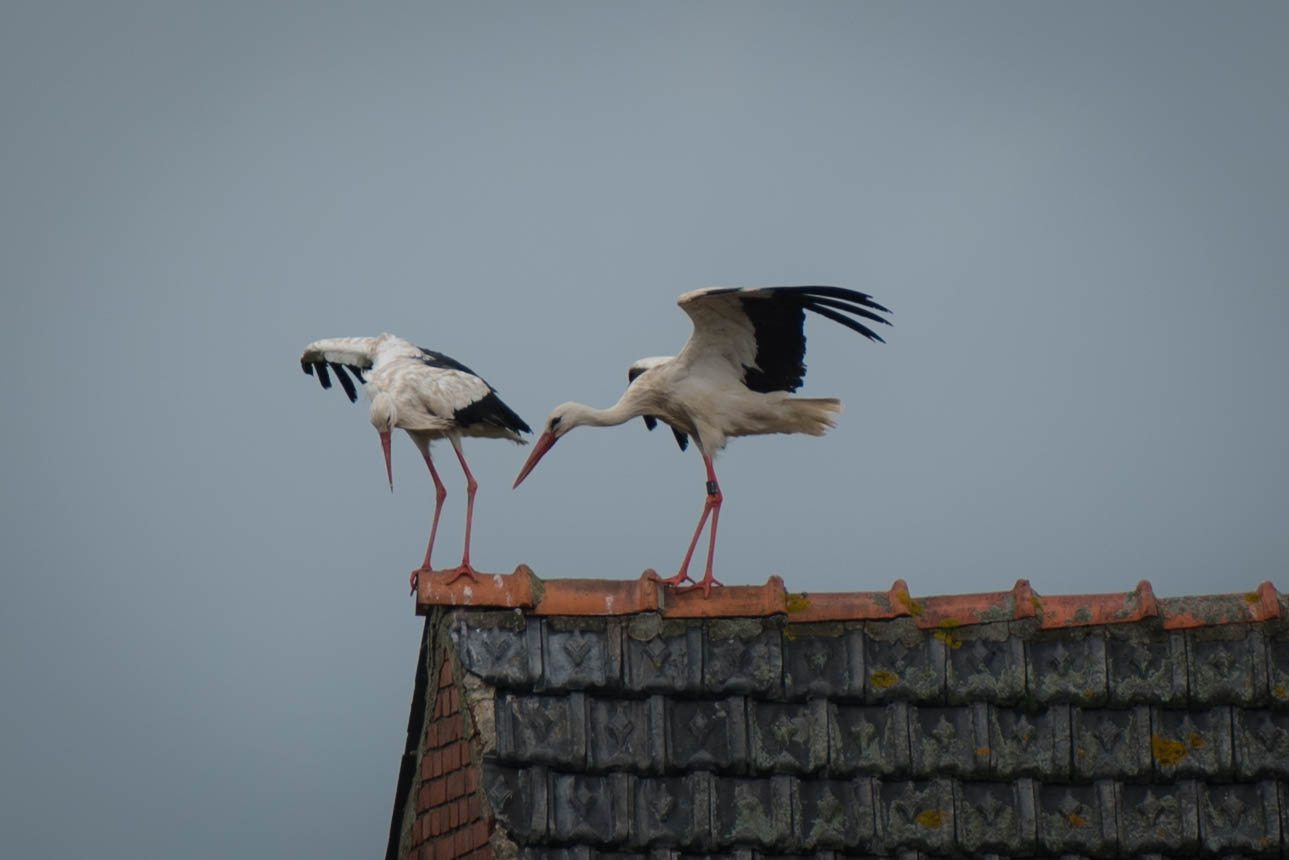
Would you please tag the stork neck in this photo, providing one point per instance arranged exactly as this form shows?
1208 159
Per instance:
618 413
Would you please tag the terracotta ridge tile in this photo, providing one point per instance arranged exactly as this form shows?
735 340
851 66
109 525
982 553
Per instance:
524 590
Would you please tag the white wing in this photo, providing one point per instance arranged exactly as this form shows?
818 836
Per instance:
355 353
757 334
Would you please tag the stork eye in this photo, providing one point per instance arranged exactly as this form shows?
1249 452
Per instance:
555 421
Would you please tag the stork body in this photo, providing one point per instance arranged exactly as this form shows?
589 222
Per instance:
733 378
428 395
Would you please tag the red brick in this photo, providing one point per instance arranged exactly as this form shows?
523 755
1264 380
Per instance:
462 843
473 810
437 792
480 833
423 797
445 671
434 823
449 729
452 756
454 816
431 735
454 700
444 847
455 784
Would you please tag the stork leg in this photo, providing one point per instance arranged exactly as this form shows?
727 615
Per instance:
440 493
712 507
464 569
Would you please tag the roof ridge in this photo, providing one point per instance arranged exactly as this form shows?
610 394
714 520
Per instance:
524 590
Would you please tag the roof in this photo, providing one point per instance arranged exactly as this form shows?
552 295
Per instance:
616 719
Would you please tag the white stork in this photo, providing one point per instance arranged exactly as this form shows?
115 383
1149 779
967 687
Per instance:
427 394
732 378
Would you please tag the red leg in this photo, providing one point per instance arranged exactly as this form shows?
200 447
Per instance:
464 569
440 493
712 506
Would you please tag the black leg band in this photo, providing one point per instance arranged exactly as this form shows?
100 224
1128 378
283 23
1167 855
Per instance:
712 489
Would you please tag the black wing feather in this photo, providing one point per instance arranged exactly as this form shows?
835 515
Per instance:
682 439
491 410
438 359
650 421
323 376
779 323
345 382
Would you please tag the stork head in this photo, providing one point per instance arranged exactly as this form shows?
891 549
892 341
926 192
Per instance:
383 416
562 419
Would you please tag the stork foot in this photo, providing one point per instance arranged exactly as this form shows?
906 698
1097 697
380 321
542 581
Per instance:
705 584
673 581
414 577
463 569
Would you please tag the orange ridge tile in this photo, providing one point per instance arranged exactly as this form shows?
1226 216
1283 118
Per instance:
597 596
493 590
1261 604
806 606
524 590
726 601
1080 610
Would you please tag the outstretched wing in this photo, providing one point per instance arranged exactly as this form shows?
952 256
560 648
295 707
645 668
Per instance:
339 353
651 421
758 333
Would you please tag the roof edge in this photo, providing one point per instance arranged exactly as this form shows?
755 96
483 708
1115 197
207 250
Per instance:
523 590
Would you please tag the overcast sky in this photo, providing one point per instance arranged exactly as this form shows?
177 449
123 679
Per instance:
1078 213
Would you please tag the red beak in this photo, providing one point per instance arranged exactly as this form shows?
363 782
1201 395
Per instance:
389 468
543 444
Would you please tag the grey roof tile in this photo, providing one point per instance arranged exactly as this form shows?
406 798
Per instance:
915 815
789 738
1111 743
504 648
743 655
869 739
824 659
673 811
996 816
835 814
663 656
950 741
542 729
1242 818
1228 665
1028 743
1159 818
1078 819
903 667
1192 743
1261 744
593 809
518 797
1146 666
752 811
1278 672
580 653
1067 668
983 666
628 734
707 735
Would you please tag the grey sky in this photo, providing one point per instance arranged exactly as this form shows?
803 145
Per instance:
1078 213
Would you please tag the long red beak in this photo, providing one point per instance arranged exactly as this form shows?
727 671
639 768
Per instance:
543 444
389 468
